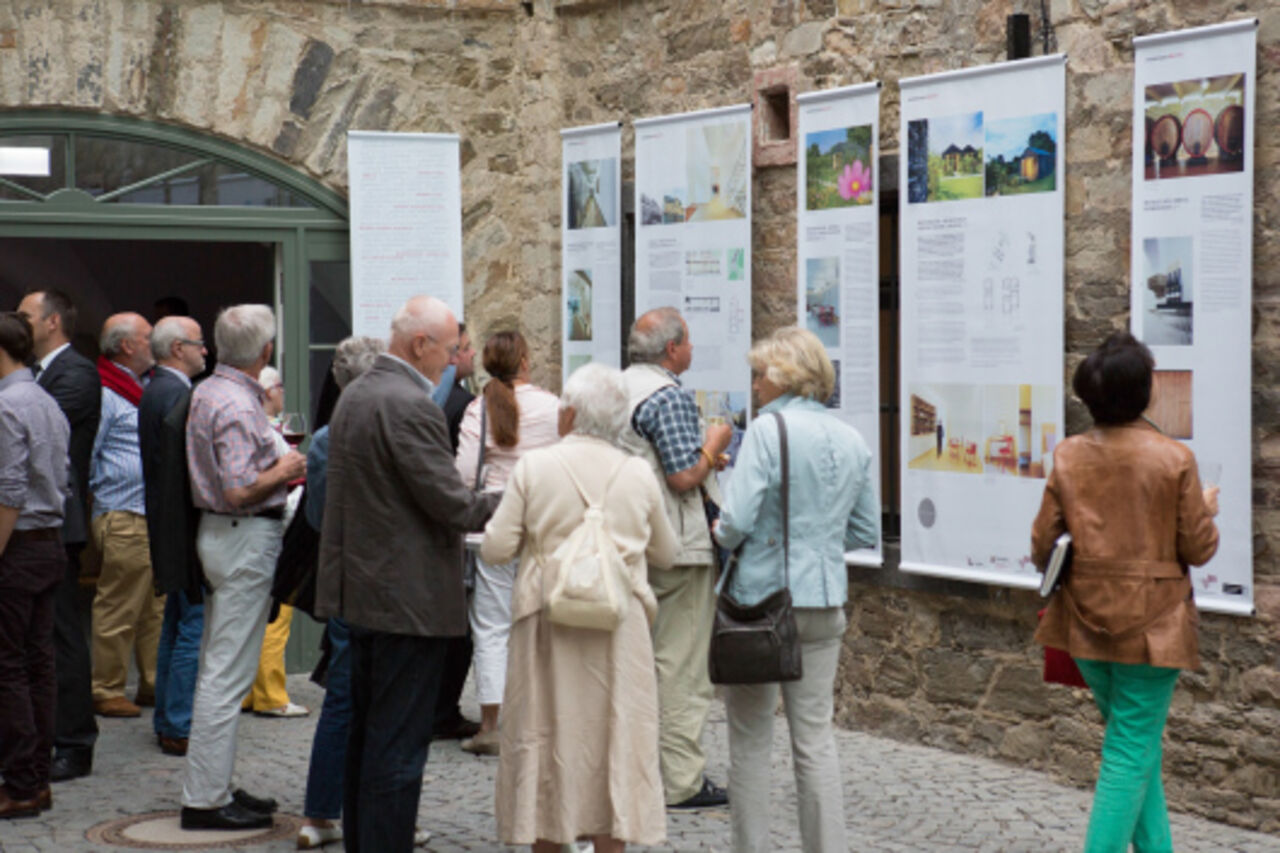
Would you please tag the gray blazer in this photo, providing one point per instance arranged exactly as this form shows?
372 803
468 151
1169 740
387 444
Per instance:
395 511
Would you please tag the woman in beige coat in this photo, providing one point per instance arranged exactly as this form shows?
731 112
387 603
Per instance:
579 735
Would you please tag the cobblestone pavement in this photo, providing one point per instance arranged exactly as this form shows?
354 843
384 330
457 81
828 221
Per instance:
899 797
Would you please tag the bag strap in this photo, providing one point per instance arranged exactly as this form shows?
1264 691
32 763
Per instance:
484 440
786 499
577 484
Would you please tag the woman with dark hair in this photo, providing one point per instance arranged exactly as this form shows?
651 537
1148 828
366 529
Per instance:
1138 517
517 417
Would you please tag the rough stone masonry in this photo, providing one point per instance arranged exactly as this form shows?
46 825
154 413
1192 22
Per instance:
939 663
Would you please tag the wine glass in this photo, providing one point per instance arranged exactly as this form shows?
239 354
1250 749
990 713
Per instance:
293 426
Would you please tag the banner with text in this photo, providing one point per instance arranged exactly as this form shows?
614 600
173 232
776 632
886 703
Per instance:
1192 269
693 246
406 224
982 313
837 254
590 246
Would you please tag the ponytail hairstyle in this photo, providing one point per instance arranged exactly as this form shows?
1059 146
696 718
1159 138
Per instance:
504 352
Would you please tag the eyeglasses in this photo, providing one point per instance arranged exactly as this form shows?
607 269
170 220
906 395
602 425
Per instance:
195 343
452 351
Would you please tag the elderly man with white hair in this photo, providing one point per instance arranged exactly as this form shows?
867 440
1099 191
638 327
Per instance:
238 480
126 613
579 753
391 567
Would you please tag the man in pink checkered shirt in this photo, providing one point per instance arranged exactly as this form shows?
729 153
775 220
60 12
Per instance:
238 481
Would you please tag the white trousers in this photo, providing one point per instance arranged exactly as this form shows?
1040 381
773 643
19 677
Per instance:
491 628
239 557
808 703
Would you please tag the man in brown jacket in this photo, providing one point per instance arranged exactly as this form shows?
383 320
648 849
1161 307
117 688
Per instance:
391 566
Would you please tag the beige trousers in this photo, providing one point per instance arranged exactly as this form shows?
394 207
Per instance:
127 614
681 640
808 703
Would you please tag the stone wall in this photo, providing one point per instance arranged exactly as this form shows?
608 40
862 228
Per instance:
942 663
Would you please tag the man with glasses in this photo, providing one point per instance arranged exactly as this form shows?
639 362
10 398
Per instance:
180 354
72 381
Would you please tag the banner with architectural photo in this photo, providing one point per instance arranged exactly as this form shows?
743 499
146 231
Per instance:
837 254
406 224
981 233
590 246
1192 269
693 246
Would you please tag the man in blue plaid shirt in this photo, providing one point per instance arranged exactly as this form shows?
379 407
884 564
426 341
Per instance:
668 432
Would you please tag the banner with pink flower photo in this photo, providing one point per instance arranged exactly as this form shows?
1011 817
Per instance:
837 236
981 225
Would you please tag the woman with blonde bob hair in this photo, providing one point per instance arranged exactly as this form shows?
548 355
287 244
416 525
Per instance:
832 509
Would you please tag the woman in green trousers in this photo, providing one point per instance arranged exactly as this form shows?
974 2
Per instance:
1138 518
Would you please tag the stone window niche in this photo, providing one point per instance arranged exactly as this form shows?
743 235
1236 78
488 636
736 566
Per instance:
774 103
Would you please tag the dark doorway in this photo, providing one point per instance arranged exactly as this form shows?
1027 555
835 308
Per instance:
107 276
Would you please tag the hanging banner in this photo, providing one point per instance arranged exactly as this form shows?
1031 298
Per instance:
982 314
837 254
406 224
693 246
590 246
1192 269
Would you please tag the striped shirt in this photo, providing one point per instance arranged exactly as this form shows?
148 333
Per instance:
33 452
229 442
115 468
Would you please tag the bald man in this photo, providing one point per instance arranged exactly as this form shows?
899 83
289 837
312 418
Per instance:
126 612
391 567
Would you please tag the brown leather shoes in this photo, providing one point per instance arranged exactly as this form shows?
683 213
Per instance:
172 745
11 808
44 799
116 706
145 700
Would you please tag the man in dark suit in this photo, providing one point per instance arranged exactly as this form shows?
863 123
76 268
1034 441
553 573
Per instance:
73 382
391 567
179 351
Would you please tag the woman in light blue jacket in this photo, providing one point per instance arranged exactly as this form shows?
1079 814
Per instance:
833 508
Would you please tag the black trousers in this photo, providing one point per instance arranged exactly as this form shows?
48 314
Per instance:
29 575
395 682
457 662
76 729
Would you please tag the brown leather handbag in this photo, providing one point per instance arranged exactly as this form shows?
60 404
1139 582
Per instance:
758 643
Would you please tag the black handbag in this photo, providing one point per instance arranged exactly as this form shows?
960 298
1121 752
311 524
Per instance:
758 644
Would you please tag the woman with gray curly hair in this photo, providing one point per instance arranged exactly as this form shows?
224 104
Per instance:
832 508
579 735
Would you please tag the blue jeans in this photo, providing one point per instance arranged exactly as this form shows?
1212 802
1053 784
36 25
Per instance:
177 663
329 748
395 680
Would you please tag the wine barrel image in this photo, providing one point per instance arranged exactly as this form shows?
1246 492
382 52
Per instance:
1166 136
1229 132
1197 134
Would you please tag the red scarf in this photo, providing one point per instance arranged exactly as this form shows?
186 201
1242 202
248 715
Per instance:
115 378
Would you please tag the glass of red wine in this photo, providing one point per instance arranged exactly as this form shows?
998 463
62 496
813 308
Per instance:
293 425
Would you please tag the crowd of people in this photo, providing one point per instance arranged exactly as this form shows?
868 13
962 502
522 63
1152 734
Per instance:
177 478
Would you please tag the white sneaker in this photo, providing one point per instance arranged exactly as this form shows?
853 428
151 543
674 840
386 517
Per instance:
289 710
311 837
421 837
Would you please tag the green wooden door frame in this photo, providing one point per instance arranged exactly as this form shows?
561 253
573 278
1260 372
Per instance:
300 234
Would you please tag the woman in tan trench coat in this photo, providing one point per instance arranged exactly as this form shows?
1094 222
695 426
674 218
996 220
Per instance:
1138 517
578 752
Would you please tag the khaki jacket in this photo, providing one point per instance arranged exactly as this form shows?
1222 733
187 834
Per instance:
1133 502
541 507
